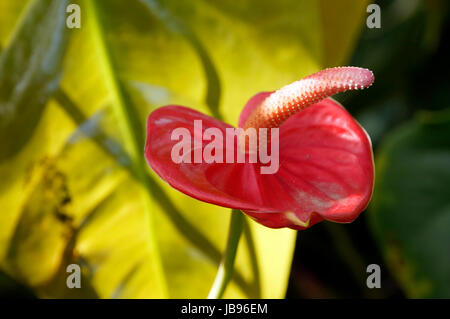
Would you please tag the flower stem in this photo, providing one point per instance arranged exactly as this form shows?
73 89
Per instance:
225 271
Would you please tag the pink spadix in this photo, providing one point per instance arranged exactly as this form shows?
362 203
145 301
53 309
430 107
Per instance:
325 157
292 98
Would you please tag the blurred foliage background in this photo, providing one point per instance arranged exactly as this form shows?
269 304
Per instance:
406 228
74 187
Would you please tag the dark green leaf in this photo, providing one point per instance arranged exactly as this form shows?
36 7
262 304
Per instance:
410 211
30 69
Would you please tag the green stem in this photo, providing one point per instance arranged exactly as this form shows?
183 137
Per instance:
184 226
225 271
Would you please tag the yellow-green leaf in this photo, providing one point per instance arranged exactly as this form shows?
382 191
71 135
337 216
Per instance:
75 192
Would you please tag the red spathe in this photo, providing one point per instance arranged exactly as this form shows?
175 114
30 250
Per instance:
325 170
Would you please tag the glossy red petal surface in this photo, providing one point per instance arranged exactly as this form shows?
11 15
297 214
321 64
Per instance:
252 104
233 185
326 167
326 164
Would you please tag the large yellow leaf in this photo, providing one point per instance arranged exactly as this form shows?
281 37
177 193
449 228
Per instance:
72 195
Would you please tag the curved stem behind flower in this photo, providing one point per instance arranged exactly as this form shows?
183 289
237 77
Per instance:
226 266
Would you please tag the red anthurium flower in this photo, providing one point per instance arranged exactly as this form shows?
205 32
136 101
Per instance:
324 166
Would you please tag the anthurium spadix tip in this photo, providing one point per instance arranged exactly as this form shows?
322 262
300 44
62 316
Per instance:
309 160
